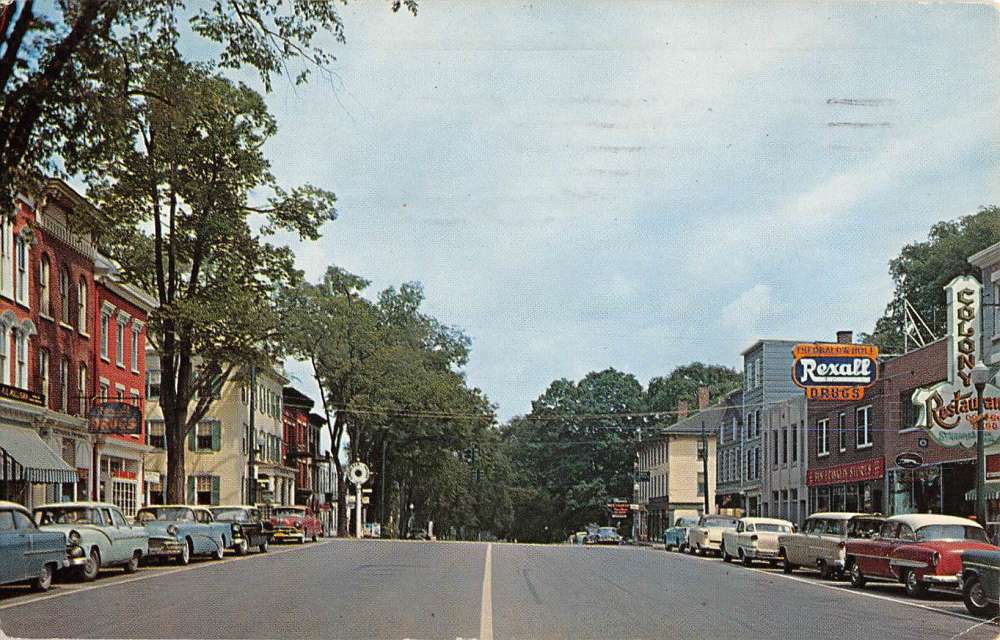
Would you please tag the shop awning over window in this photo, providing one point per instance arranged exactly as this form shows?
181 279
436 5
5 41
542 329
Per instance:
24 456
992 492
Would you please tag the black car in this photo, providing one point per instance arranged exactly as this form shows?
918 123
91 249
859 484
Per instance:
249 529
981 581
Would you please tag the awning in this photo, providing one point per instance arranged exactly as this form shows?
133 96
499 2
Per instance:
24 456
992 492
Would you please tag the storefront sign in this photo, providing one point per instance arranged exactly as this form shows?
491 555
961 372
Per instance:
852 472
909 460
949 409
834 371
152 476
122 474
21 395
118 418
619 508
993 466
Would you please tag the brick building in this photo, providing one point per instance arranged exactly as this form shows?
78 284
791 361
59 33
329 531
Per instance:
301 436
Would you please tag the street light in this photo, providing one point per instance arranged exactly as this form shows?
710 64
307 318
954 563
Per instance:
980 376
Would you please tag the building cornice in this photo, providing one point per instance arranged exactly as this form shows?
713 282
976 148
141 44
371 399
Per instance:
987 257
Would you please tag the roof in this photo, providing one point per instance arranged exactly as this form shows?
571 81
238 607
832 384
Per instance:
709 419
230 506
769 341
35 461
841 515
76 505
175 506
988 256
12 505
917 520
755 520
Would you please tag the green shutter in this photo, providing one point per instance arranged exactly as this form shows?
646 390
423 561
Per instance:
215 490
192 439
190 496
216 436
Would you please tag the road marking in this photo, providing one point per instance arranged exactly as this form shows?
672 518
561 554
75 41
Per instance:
486 607
149 574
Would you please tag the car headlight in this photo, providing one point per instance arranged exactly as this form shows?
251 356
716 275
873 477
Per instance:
236 527
298 525
172 529
74 537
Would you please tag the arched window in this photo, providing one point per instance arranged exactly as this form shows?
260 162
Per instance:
21 353
64 295
44 295
21 284
81 306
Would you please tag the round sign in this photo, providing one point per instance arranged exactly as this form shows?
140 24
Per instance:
358 473
909 460
923 443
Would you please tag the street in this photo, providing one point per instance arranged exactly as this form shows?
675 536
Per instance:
392 589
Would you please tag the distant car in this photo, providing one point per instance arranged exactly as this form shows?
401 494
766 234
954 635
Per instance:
418 534
101 530
249 530
755 539
579 537
295 523
676 536
29 554
981 582
706 535
822 542
607 535
919 550
183 531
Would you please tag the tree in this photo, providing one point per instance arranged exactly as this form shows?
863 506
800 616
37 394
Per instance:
922 269
58 55
176 214
683 384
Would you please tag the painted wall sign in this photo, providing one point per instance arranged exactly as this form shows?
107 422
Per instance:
834 371
909 460
949 409
870 469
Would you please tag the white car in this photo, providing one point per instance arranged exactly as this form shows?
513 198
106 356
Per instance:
823 540
706 536
755 539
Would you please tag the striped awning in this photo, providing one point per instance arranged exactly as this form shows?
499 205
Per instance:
24 456
992 492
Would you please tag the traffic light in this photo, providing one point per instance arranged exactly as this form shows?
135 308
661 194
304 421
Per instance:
470 455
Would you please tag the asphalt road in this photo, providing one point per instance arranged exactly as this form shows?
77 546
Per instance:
386 589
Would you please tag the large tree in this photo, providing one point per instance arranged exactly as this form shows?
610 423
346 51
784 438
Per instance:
177 215
922 269
683 383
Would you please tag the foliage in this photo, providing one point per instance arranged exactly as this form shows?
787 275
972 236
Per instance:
683 383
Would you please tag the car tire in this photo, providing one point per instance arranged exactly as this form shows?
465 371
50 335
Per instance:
915 588
263 547
133 563
243 547
220 550
825 571
89 571
975 599
315 537
745 559
184 557
787 566
725 555
43 581
857 576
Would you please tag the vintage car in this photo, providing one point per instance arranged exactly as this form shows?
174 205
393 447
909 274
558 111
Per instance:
676 536
755 539
707 534
981 582
249 530
919 550
29 554
607 535
822 542
578 538
182 532
101 530
295 523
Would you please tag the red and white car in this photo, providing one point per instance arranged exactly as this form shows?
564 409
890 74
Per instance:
295 523
919 550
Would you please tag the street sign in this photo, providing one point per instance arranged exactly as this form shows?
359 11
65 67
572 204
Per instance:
619 509
909 460
358 473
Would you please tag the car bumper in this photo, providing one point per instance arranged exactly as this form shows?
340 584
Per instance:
165 548
943 581
712 545
289 535
75 557
762 554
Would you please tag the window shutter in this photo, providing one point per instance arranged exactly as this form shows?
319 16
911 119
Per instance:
216 436
190 490
215 490
193 439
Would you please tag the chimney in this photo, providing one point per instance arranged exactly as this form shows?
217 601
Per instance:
682 409
702 398
845 337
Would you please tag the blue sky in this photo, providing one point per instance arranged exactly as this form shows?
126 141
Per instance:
582 185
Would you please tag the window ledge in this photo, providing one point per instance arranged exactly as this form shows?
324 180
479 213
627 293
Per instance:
912 429
842 450
23 304
84 334
65 326
45 316
866 446
823 455
136 371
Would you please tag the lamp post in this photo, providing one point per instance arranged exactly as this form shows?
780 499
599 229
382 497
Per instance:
980 376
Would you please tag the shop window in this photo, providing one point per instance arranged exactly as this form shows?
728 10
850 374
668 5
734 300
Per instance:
69 451
822 444
123 496
862 426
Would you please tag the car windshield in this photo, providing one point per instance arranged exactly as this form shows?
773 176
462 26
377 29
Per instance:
769 527
230 515
163 514
950 532
289 513
65 515
720 522
836 527
607 531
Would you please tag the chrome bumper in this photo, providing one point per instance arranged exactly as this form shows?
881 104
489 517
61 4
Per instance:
944 581
165 547
75 556
753 552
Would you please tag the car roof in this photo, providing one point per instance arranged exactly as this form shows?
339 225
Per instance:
12 505
230 506
77 505
917 520
755 520
839 515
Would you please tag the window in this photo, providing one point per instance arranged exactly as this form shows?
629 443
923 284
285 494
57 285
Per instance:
21 288
701 484
734 428
204 436
64 295
153 384
862 426
105 391
4 350
156 435
774 440
105 326
206 489
996 309
134 399
701 450
842 431
784 445
44 295
120 343
64 384
81 306
43 374
760 371
822 446
907 411
750 425
134 350
21 351
795 442
82 388
750 376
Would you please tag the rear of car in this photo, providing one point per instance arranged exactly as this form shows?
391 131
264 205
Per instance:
764 540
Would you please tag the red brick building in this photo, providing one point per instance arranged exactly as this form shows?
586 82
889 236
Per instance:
301 436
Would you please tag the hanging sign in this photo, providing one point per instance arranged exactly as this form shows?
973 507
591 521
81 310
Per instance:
909 460
949 409
118 418
834 371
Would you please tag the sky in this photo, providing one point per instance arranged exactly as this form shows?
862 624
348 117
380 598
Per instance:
638 185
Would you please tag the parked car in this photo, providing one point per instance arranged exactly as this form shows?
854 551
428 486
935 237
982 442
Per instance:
755 539
981 582
822 542
707 534
101 530
248 528
919 550
295 523
418 534
182 532
607 535
579 537
676 536
29 554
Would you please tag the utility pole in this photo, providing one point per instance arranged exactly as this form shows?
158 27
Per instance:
252 480
704 463
381 491
980 376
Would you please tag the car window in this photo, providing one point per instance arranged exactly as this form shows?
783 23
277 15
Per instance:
6 520
118 519
106 513
906 533
950 532
740 527
836 527
716 521
773 527
23 522
888 529
750 528
203 516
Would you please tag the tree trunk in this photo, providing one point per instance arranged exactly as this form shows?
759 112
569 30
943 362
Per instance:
343 516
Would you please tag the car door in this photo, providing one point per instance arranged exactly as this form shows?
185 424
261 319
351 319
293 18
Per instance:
748 531
876 558
127 539
14 548
732 538
31 562
799 544
113 553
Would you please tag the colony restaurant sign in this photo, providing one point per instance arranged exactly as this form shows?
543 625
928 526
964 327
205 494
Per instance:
949 409
834 371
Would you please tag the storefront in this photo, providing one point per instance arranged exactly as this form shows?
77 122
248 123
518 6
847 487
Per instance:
934 488
29 468
854 487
